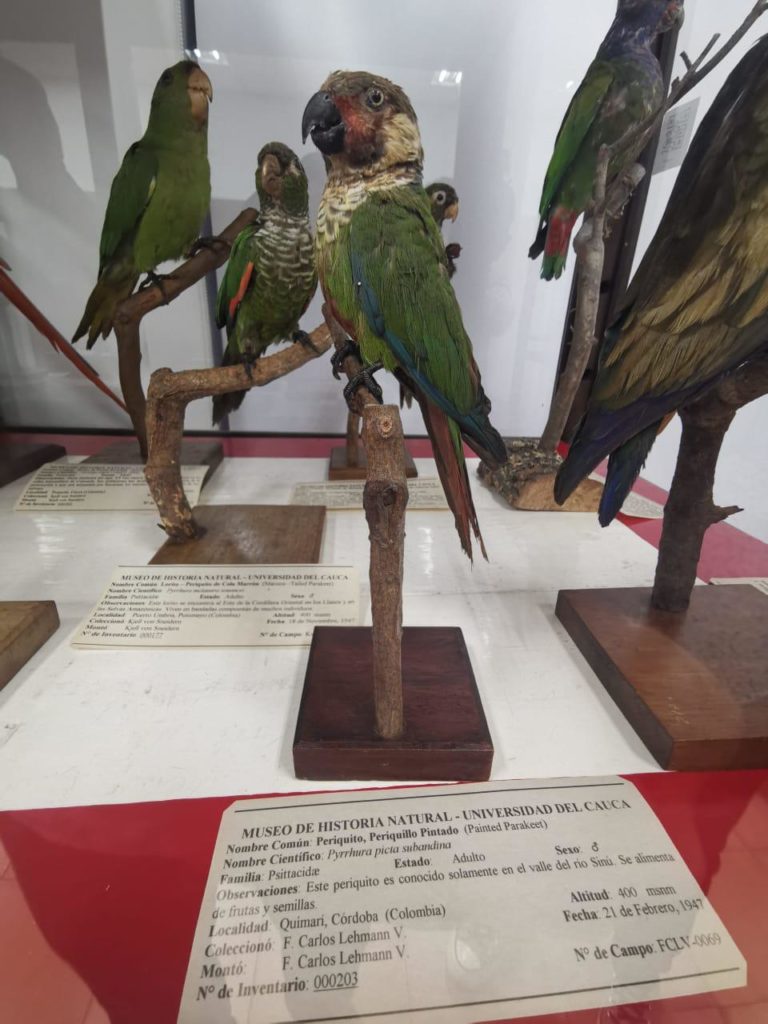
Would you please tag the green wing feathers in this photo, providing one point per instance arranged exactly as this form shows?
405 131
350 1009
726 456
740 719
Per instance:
234 285
131 191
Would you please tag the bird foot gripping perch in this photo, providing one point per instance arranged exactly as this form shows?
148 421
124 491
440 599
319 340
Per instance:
153 280
365 378
210 242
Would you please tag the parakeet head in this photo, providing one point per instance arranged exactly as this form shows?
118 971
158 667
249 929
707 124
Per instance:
443 201
363 122
280 179
658 15
182 90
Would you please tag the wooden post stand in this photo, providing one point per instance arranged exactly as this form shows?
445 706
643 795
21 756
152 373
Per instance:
349 462
688 666
383 702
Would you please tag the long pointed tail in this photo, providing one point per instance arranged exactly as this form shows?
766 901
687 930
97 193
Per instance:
111 289
231 400
624 467
452 470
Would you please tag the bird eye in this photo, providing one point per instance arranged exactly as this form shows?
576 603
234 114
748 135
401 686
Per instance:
166 77
375 98
440 197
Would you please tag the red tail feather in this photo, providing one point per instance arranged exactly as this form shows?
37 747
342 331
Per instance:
25 306
453 474
559 232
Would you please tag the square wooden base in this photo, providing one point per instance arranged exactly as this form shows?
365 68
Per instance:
250 535
694 686
24 628
446 735
193 453
17 459
338 469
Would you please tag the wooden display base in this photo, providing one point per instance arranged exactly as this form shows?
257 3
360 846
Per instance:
24 628
693 685
17 459
250 535
338 468
193 453
446 735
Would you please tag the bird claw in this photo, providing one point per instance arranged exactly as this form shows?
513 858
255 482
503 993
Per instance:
211 242
153 280
365 378
302 338
349 348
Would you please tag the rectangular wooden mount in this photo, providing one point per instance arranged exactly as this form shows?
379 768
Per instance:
446 735
24 628
693 686
193 453
17 458
250 535
338 468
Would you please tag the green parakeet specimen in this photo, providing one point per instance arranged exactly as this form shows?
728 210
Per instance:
159 196
698 305
270 278
444 203
383 270
622 87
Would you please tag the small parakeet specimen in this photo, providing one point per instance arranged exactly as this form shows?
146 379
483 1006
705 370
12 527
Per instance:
444 203
623 86
698 305
383 270
159 196
270 278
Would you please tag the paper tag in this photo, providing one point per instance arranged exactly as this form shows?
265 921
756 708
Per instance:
98 487
759 582
423 493
675 135
451 905
220 606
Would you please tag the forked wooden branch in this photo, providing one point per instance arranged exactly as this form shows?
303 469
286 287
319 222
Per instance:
131 312
169 394
690 508
607 205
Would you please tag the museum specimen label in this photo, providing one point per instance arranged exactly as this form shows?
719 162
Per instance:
449 904
424 493
96 487
220 606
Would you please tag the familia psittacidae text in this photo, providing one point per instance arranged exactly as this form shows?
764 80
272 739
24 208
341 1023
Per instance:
383 270
623 87
698 304
270 278
159 196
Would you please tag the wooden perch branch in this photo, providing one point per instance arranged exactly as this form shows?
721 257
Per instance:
605 207
169 394
133 309
690 508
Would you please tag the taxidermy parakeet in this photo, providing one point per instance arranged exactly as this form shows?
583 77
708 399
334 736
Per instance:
270 278
382 267
698 304
159 196
622 88
444 203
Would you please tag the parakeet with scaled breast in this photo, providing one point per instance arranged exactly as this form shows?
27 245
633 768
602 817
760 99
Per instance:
270 278
622 87
383 270
159 196
698 306
444 203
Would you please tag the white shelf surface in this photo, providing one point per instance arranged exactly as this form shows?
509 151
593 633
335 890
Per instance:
84 727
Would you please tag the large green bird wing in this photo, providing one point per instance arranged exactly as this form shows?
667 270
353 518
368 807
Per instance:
131 191
579 118
400 275
238 278
698 303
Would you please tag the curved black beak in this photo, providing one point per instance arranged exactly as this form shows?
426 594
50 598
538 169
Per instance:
322 121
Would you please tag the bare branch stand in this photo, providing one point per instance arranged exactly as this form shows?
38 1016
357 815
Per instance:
384 702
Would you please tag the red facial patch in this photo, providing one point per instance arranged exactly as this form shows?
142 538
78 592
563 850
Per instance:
359 122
